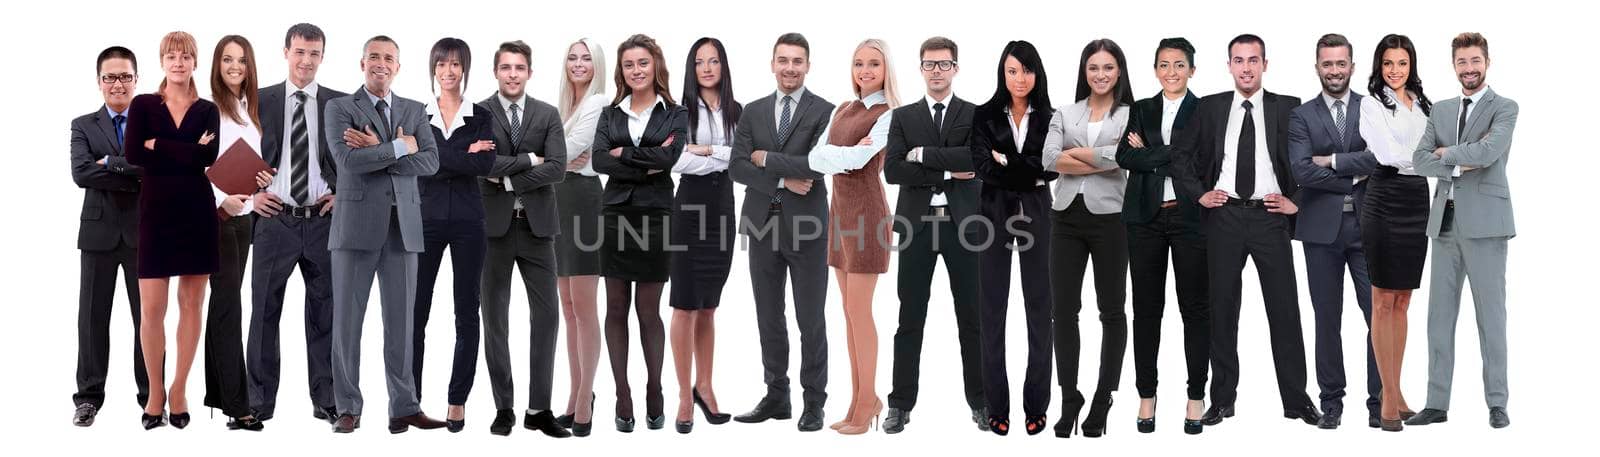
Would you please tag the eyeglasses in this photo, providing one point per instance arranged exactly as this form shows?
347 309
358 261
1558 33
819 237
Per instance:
125 78
942 65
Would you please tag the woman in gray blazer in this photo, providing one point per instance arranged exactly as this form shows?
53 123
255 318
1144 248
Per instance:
1087 222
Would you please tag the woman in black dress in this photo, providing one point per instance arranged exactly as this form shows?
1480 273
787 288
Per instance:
636 144
171 134
1394 218
703 221
452 218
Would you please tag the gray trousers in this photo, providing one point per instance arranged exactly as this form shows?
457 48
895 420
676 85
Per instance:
778 257
535 257
1483 261
353 270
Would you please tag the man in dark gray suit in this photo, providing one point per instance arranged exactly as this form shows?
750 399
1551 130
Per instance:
108 231
1466 146
377 231
1330 161
929 159
521 222
291 228
785 214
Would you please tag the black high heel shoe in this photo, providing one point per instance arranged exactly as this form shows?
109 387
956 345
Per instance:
1148 424
999 425
655 422
685 426
151 422
179 420
1094 425
582 429
1035 424
713 418
248 423
1069 416
566 420
625 424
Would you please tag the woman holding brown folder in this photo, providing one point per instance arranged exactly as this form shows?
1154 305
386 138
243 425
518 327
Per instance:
233 89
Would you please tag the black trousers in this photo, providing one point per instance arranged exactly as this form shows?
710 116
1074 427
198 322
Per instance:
918 258
97 290
794 248
1148 246
226 387
467 244
1076 236
1233 235
1325 267
283 243
534 257
1019 220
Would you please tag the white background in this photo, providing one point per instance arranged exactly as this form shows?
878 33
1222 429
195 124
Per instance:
1539 60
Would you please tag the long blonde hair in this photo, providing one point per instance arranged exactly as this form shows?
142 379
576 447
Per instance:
565 103
183 42
890 90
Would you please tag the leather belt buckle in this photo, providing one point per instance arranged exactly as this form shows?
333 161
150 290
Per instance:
519 213
939 211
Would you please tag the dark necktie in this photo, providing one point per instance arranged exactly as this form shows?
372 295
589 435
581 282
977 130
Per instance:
116 124
383 114
1338 118
1461 126
516 122
938 117
1245 175
300 154
783 121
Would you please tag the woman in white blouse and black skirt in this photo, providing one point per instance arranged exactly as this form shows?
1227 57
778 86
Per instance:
1394 219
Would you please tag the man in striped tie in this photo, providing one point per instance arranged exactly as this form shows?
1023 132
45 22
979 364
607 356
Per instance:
291 229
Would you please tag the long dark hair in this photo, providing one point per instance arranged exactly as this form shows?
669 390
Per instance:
1123 93
1024 51
227 101
691 90
1375 83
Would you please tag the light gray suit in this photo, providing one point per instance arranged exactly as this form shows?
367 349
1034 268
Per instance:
377 229
1471 242
1068 129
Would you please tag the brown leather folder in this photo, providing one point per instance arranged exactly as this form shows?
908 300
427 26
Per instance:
235 170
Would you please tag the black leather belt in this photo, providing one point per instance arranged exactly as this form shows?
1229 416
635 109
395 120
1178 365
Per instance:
519 213
1254 203
302 212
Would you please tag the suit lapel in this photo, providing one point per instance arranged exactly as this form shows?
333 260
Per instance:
1326 119
1003 132
108 130
804 104
1474 118
527 120
954 111
365 105
658 120
1190 102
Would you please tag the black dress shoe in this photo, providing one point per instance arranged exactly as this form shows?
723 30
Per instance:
545 423
624 424
179 420
713 418
346 423
1307 414
684 427
768 408
327 413
504 420
810 418
896 420
150 422
1216 414
84 415
1428 416
582 429
980 416
251 424
1094 424
1329 421
1374 421
1498 417
455 426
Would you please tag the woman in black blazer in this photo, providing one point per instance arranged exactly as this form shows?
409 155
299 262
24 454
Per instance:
452 217
1007 151
636 144
172 134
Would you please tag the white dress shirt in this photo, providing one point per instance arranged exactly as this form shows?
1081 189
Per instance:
794 113
436 118
580 130
230 132
1266 179
388 112
830 159
1393 135
1333 113
1476 97
282 183
638 121
1094 132
1019 135
915 155
521 115
1169 115
710 133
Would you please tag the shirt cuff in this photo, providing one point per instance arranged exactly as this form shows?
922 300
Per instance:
1455 172
399 148
915 156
